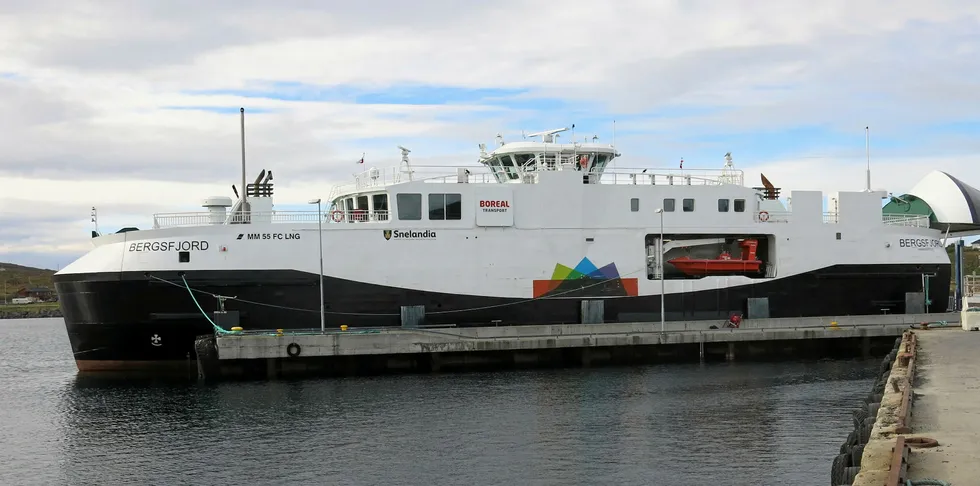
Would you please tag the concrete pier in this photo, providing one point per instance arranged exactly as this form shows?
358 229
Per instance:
268 354
922 413
947 406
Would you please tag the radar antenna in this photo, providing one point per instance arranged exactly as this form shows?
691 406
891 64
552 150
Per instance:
728 171
408 165
548 136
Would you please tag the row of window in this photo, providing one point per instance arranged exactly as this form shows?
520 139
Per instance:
380 202
441 207
688 205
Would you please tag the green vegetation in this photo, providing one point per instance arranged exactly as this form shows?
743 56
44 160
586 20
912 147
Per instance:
971 260
29 311
38 307
16 277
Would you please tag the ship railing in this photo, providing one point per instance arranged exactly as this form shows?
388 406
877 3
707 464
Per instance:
912 220
478 178
379 178
671 177
357 216
621 177
202 218
170 220
831 217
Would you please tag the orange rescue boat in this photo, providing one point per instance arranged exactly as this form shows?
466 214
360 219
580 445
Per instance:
724 264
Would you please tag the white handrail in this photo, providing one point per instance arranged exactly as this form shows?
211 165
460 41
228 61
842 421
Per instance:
170 220
379 178
913 220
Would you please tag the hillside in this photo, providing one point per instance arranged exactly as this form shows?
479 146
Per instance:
16 277
971 260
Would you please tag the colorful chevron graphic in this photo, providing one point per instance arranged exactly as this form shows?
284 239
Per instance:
586 280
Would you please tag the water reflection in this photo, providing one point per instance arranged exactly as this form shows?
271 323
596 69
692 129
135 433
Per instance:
773 423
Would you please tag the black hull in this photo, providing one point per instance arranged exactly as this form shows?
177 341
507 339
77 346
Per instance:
112 318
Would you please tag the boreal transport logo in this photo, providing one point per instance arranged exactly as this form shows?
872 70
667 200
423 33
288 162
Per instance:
494 206
409 235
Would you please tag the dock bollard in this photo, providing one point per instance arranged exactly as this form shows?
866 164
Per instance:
236 329
343 327
278 332
833 325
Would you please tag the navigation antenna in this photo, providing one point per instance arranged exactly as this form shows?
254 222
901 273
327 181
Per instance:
613 161
867 149
95 221
728 170
408 165
244 196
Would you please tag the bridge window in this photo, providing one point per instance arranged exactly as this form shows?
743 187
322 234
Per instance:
740 205
362 202
508 164
525 161
723 205
498 172
445 207
669 205
688 205
380 202
600 162
409 206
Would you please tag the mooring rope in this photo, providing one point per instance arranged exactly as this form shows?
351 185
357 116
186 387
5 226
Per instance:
927 482
217 328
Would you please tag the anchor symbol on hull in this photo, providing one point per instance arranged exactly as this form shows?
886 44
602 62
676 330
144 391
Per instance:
155 340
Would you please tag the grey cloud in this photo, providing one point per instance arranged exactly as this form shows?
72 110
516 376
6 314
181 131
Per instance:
18 213
51 261
646 84
897 83
48 136
144 34
24 105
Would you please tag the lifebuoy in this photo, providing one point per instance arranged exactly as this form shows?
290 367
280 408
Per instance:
763 215
293 350
337 215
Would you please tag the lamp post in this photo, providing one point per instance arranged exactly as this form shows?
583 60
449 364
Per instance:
319 234
660 260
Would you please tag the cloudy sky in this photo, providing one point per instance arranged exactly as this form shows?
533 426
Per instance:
132 105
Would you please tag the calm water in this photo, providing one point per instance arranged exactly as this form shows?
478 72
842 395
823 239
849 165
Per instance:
740 424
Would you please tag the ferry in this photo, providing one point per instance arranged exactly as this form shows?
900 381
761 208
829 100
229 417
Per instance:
537 231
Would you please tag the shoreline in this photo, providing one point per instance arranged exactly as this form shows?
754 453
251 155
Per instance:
29 311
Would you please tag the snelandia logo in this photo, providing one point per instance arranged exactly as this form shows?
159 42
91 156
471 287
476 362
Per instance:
409 235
